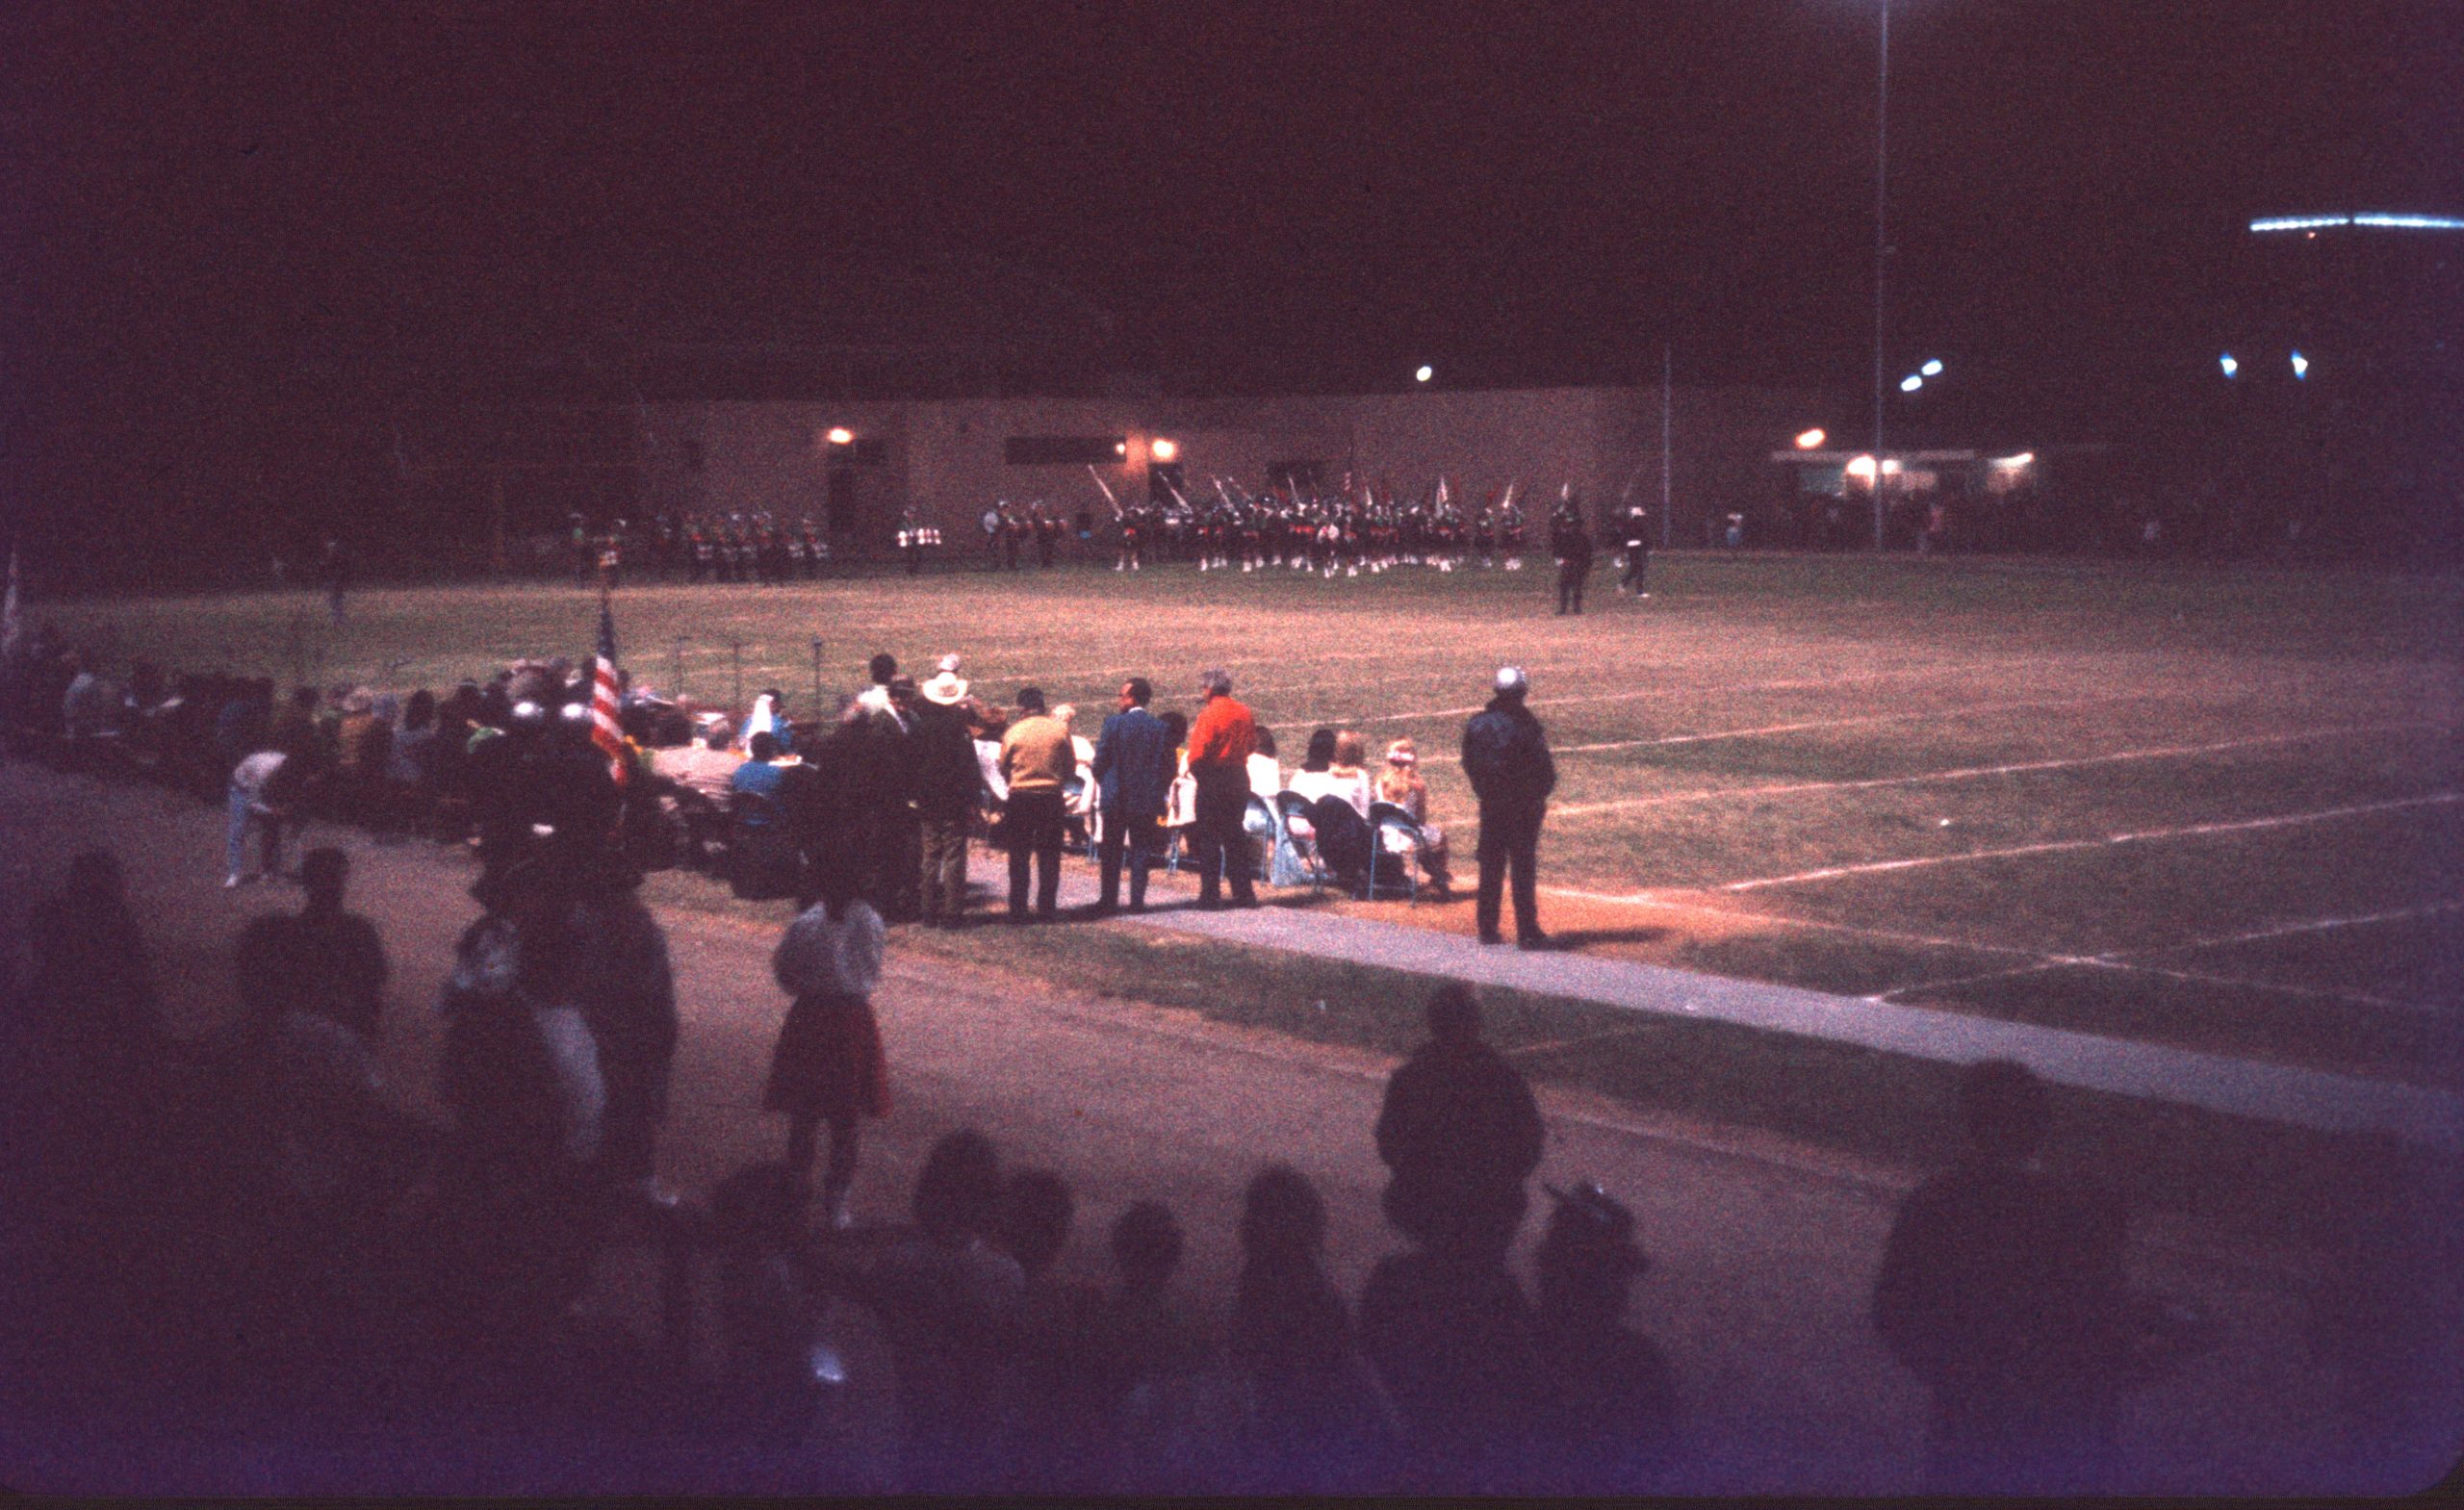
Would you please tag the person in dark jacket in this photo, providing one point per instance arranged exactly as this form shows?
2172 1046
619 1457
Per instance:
1570 542
1637 539
947 782
1134 768
627 992
1610 1413
1460 1131
1505 755
2002 1289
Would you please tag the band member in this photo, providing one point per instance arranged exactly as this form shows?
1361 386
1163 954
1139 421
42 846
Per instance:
1637 543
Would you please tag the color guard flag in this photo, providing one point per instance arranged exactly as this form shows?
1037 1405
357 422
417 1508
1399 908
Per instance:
606 731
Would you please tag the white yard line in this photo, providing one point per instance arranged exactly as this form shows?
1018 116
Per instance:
2287 929
1970 711
2039 961
1975 772
1750 686
2060 846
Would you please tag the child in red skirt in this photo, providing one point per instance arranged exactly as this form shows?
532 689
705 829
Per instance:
828 1069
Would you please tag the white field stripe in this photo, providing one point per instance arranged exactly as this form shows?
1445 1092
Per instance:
2060 846
2287 929
1750 686
2038 960
1652 899
1974 772
1970 711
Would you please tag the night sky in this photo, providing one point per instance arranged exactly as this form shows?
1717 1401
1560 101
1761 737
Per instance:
213 207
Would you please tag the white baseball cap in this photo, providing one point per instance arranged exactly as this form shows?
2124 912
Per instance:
1510 678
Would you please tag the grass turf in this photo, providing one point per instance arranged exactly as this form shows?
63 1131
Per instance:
1758 718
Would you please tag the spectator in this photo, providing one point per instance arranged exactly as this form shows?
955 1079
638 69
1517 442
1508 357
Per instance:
414 767
1333 769
766 1310
1609 1422
950 1303
762 858
264 789
100 1035
626 992
1133 770
948 784
828 1069
1266 777
519 1075
1314 1422
1221 743
1403 784
1460 1132
1055 1420
1505 755
1152 1354
1457 1349
341 959
1036 760
2001 1288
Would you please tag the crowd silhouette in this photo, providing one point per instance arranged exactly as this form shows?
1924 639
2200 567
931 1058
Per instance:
248 1226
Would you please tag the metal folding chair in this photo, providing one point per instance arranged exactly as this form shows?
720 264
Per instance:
1384 818
1297 857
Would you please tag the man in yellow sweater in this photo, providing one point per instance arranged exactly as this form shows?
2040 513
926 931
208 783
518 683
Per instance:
1037 757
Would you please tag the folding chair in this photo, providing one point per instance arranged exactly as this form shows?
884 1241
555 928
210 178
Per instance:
1297 857
1385 818
1258 822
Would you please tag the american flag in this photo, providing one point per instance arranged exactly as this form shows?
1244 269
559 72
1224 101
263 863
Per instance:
605 731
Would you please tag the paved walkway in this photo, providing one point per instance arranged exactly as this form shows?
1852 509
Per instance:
2121 1067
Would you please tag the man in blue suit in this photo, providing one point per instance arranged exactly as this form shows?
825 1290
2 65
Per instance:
1134 768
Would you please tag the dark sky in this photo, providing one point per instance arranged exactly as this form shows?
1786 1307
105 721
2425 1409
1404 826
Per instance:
206 203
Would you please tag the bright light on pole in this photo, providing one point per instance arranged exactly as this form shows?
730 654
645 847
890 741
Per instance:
2231 366
840 435
1425 373
1933 368
1807 440
1911 383
2300 365
1163 450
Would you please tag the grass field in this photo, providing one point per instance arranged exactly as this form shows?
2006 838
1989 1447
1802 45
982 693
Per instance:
2209 806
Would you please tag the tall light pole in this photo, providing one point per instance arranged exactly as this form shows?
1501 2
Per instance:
1882 203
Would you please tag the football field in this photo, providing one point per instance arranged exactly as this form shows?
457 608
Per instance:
2211 807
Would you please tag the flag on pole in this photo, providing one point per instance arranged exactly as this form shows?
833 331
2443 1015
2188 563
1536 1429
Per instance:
12 624
606 731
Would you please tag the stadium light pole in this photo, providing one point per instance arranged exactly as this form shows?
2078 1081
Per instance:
1882 204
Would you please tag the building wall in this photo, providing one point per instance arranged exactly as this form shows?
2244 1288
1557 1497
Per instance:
945 460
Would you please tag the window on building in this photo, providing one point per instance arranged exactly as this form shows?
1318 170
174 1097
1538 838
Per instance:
1063 450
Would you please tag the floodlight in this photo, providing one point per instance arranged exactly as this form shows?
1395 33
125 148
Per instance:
1425 373
2230 365
1933 368
2300 365
840 435
1163 450
1807 440
1911 383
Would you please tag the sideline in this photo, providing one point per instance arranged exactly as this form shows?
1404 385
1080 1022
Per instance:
2314 1099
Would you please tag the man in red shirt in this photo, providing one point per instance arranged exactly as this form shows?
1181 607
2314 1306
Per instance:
1221 743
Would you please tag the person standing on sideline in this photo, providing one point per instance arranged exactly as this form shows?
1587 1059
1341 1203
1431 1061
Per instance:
1221 743
1637 543
1134 768
334 571
947 781
262 787
1037 759
1570 542
1505 755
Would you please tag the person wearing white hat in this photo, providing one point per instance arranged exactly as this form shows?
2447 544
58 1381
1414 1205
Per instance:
1505 755
945 686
